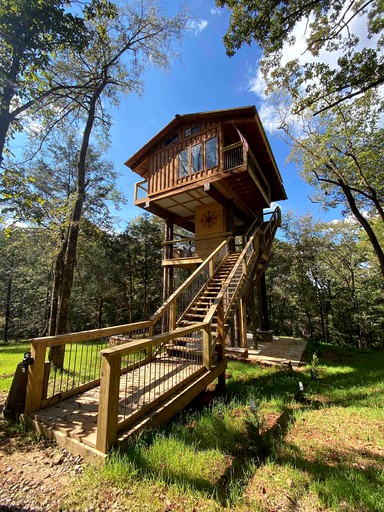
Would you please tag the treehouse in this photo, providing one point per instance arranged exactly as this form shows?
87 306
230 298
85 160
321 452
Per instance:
210 176
211 173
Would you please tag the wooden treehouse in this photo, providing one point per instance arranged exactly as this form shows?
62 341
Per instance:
212 174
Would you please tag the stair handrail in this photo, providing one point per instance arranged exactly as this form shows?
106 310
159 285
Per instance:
169 305
260 233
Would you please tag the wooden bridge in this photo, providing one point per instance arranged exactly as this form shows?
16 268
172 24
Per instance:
113 382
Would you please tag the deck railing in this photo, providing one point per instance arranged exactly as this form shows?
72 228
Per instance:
124 400
80 362
186 247
141 191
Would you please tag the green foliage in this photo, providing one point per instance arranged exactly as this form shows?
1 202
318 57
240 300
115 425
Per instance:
327 27
118 277
332 288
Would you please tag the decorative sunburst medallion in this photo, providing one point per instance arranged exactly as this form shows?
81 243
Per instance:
209 219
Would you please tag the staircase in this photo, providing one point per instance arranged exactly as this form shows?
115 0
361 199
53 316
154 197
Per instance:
117 380
235 276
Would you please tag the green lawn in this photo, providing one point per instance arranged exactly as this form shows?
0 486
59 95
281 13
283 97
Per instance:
266 446
10 356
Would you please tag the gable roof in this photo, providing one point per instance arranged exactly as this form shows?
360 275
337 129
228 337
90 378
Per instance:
244 118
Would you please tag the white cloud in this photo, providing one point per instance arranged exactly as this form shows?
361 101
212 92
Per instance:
257 85
269 117
198 26
219 12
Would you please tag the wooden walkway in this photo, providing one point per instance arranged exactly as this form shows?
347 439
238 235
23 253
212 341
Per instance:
75 418
278 351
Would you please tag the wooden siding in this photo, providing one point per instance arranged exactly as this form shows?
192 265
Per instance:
163 160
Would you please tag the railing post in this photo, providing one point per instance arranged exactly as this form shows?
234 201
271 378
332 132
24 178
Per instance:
35 385
172 315
109 402
207 359
220 330
211 269
243 323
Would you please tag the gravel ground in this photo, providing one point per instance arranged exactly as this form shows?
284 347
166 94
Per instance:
34 475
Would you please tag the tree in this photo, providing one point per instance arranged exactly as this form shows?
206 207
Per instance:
148 35
339 154
327 27
54 182
330 291
31 32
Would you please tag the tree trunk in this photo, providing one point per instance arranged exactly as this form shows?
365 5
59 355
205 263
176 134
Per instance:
65 287
5 104
364 224
8 299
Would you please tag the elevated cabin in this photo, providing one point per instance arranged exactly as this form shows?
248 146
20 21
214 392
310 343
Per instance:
211 173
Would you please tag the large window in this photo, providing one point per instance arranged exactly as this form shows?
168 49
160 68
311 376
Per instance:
198 157
211 159
183 163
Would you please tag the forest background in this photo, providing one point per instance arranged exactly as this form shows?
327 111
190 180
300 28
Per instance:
63 265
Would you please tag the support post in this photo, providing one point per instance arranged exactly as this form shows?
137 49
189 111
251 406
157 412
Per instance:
35 385
220 330
243 323
262 304
109 402
168 255
252 299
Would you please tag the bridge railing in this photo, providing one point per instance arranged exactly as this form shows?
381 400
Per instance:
79 366
147 378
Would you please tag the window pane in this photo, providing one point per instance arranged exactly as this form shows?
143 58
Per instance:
183 163
211 153
197 158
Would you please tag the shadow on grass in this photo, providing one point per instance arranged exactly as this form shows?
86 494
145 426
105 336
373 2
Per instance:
249 447
340 483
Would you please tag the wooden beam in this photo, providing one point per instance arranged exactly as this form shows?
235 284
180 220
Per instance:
241 210
35 385
109 402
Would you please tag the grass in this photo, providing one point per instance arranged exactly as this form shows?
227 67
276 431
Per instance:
10 356
265 446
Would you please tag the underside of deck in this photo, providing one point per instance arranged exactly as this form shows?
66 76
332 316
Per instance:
149 395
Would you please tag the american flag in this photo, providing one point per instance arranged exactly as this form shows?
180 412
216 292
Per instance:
242 138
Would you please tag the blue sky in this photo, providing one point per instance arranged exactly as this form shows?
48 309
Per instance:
203 79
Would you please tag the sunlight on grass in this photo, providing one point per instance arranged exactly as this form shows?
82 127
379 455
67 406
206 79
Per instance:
10 357
267 445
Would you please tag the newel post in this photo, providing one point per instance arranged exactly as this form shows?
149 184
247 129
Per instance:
109 401
207 359
35 385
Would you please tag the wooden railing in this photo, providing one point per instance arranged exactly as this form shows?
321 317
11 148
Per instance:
167 316
122 403
186 247
224 307
80 369
141 191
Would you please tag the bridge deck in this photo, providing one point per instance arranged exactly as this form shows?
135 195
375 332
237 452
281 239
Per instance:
76 417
